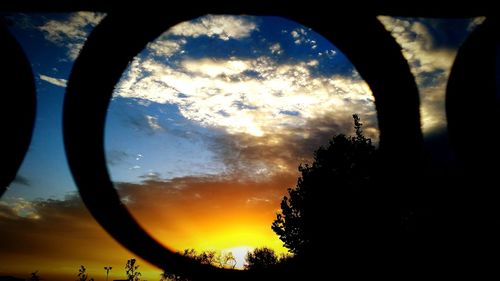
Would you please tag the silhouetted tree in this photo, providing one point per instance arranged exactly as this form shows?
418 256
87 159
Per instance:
205 257
131 270
261 258
330 189
34 276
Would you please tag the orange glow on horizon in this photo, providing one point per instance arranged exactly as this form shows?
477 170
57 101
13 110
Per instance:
210 215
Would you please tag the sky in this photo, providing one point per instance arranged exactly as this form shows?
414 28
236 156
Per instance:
204 133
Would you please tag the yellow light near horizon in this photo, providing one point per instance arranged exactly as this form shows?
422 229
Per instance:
239 254
229 238
223 236
229 216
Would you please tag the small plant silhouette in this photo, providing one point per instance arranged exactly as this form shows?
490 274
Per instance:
34 276
82 274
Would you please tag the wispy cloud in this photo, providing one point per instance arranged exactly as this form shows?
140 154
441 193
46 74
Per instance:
224 209
71 32
276 49
115 157
192 212
19 179
55 229
250 96
260 107
143 123
18 207
153 123
301 36
256 104
224 27
475 22
165 47
429 63
54 81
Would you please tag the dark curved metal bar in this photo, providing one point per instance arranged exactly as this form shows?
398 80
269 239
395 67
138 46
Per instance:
471 98
100 65
19 100
473 115
378 59
114 43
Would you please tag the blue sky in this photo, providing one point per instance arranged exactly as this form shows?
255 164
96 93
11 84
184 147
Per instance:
44 168
166 119
182 142
199 84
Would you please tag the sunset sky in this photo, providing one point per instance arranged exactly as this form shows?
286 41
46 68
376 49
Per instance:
204 134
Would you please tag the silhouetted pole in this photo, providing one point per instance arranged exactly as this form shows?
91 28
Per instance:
107 268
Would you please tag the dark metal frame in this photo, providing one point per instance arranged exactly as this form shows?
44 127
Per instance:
362 38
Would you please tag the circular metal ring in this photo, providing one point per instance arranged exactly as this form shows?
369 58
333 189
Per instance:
120 37
19 100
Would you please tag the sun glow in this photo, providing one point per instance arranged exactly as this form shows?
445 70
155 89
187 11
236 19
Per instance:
239 254
230 238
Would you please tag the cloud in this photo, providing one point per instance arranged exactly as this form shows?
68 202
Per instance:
19 207
276 49
223 27
417 45
19 179
115 157
257 115
143 122
251 158
191 212
429 63
153 123
60 30
21 20
54 81
71 32
165 47
301 36
58 228
265 112
475 23
245 96
208 212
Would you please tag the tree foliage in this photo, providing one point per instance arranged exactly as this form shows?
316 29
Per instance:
261 258
328 191
222 260
205 257
131 269
166 276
